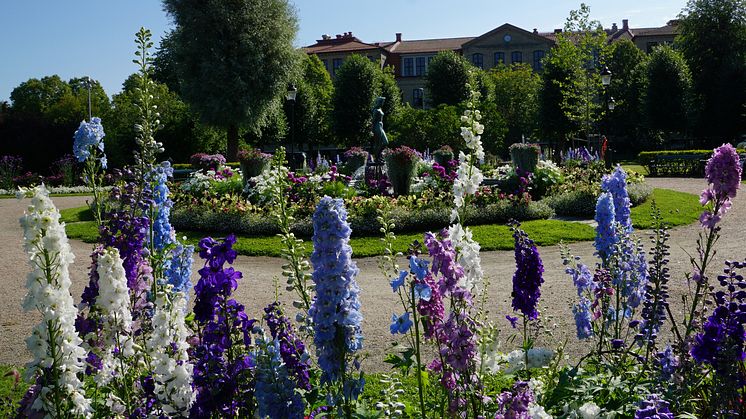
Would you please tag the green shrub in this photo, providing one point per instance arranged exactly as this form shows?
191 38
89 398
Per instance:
690 162
401 164
525 156
639 193
577 203
443 155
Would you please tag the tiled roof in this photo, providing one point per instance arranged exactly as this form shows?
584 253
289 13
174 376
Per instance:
428 45
663 30
350 46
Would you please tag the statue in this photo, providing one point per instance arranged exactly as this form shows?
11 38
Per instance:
379 135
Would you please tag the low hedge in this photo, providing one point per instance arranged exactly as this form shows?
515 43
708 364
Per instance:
206 219
582 202
676 162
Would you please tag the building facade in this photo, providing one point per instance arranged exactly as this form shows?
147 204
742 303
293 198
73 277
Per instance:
506 44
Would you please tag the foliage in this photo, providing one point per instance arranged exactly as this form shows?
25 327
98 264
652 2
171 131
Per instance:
428 128
627 64
356 86
516 96
447 79
234 60
312 106
712 38
667 100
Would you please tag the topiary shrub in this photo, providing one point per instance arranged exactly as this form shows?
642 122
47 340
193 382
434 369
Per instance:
355 158
443 155
401 164
253 162
577 203
525 156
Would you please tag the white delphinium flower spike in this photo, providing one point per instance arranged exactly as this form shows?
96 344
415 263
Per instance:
168 346
114 302
58 356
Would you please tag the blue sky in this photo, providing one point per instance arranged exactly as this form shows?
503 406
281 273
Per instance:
95 37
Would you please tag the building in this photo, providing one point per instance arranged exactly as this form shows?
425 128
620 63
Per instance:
506 44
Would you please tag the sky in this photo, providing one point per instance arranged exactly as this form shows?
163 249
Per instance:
75 38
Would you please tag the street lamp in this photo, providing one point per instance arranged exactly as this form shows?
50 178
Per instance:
88 83
290 96
612 103
422 97
606 76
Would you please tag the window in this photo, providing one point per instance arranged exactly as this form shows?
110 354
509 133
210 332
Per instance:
326 64
538 56
430 58
516 57
478 60
417 99
499 58
336 63
419 69
407 69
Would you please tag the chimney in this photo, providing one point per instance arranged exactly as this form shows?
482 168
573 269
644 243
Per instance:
325 37
558 31
614 27
398 37
536 32
339 36
625 24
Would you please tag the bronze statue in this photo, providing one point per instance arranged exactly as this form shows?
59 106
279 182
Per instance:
380 141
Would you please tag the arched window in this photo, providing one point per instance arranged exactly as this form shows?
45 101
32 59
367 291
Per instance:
499 58
538 56
478 60
516 57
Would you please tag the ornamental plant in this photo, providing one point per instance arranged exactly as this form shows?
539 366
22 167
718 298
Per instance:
253 162
355 158
335 312
525 157
401 165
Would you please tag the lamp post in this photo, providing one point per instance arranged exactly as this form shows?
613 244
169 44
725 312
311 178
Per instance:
290 96
422 97
610 105
88 85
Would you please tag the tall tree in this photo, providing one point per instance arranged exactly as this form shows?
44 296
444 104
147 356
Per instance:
712 38
37 97
628 67
355 88
448 75
390 90
516 99
667 97
234 58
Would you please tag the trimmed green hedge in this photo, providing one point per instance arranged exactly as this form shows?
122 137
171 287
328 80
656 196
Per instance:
675 162
249 224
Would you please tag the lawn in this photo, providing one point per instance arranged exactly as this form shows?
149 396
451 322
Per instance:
677 208
634 166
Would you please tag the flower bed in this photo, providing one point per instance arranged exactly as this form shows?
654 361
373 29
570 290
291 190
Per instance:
128 350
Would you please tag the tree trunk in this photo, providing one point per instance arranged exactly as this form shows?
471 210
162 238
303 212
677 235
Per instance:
232 152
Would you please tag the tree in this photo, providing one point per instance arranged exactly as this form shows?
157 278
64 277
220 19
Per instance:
712 38
313 103
355 88
447 79
181 132
667 97
628 67
37 97
516 99
571 89
233 58
164 64
390 90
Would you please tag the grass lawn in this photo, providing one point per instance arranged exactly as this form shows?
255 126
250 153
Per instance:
634 166
677 208
11 391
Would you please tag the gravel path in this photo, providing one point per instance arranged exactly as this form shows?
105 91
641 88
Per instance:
378 302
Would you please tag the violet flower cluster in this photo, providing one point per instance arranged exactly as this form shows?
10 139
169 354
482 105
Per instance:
292 350
723 174
654 407
222 365
528 275
335 310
